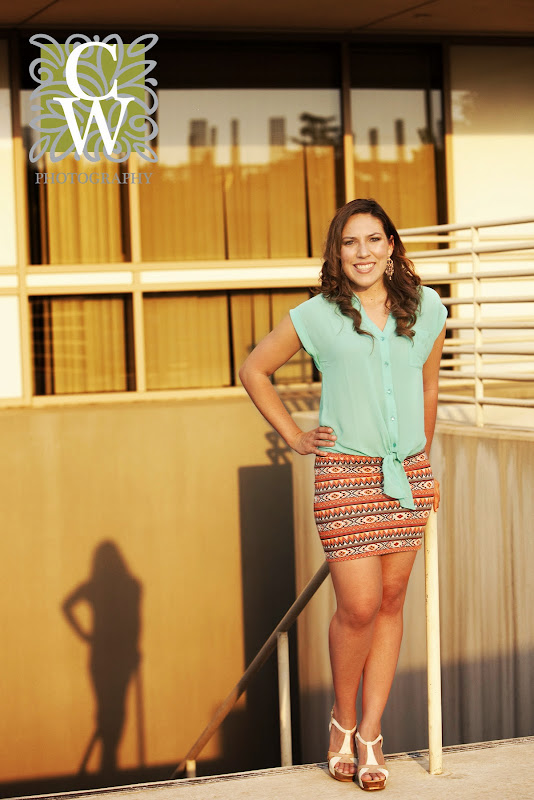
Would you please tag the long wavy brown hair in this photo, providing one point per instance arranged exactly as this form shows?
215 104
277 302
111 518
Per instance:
403 292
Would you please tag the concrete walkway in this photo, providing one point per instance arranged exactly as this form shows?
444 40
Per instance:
502 770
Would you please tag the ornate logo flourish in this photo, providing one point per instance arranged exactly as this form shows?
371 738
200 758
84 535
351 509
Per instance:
93 98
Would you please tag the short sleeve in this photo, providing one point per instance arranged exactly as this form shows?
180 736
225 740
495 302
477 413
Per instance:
433 317
300 320
440 315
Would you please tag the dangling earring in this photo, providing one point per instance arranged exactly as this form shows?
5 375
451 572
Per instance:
389 268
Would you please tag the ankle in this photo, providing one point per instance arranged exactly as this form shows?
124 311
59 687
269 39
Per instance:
344 717
369 730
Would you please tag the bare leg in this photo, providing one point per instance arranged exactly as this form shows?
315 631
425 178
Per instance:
358 588
381 662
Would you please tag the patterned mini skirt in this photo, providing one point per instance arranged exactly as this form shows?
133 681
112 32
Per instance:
355 518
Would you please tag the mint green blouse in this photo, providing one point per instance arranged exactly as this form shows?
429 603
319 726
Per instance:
372 389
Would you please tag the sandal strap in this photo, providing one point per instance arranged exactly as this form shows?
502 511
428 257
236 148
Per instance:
345 747
371 764
379 738
365 768
337 757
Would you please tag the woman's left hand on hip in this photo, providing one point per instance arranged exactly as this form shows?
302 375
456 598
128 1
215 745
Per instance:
436 494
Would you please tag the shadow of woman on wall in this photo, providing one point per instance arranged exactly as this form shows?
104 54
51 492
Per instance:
114 596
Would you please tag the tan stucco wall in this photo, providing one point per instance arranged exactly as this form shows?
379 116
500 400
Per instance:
196 495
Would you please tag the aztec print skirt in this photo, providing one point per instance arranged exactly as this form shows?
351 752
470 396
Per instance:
355 518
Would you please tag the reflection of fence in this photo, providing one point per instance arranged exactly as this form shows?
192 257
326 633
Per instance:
407 189
81 224
191 340
489 359
204 211
199 210
80 345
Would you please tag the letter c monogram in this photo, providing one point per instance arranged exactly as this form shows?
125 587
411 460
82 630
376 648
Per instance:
72 76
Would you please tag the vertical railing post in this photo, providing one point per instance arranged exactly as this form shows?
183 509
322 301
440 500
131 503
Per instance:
433 646
477 331
190 768
284 699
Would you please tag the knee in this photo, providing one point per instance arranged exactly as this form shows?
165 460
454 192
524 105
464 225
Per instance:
360 614
393 599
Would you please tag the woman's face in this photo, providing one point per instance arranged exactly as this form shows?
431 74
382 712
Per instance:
365 250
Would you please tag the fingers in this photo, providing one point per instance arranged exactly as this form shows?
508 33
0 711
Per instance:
323 437
325 433
436 495
310 442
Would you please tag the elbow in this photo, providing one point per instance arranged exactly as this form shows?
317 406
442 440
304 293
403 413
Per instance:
243 373
248 373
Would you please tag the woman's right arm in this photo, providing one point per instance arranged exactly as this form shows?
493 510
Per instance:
271 353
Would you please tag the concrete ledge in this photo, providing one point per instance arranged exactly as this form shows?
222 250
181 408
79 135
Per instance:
501 769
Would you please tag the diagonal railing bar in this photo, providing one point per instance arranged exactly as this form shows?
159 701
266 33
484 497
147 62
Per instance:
278 638
229 702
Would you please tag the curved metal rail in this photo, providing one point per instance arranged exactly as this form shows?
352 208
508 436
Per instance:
278 638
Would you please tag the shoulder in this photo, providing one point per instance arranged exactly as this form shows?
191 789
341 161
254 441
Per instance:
431 305
429 298
317 306
316 302
432 314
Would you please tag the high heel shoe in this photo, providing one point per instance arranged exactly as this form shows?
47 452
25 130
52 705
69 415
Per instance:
371 765
341 755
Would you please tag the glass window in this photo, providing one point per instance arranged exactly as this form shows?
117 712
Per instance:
82 344
200 340
187 342
254 314
242 173
72 222
249 160
398 134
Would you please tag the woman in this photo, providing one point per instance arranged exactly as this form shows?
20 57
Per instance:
376 335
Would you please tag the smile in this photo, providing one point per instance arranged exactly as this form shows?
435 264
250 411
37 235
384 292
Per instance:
363 268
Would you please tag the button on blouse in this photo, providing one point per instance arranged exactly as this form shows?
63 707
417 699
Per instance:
372 388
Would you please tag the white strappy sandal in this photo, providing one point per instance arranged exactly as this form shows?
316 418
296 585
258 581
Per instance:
371 765
345 754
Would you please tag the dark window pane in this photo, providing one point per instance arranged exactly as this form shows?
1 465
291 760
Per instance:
82 344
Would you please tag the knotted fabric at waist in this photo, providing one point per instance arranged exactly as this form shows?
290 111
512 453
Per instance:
396 483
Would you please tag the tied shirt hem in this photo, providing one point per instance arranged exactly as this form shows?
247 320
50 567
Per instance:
396 483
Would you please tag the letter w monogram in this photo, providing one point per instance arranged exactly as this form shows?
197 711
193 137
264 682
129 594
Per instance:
96 109
97 114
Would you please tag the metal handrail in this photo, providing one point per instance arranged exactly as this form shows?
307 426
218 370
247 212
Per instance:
459 226
278 638
474 367
231 699
457 252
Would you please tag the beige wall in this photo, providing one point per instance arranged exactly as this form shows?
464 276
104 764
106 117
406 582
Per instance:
492 97
491 177
8 244
196 494
486 547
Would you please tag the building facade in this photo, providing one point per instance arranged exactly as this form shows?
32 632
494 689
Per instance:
155 291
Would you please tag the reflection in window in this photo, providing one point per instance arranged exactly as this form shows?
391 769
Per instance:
199 340
394 148
254 314
187 340
82 344
73 222
241 174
